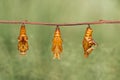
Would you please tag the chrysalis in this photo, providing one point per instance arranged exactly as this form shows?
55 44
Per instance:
23 40
57 43
88 42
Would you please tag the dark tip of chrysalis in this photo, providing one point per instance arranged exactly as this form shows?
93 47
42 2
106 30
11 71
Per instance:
23 24
57 27
88 25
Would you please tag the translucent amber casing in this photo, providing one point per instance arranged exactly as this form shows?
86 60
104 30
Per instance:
23 40
88 42
57 43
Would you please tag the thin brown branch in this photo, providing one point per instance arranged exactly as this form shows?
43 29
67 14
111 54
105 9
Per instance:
62 24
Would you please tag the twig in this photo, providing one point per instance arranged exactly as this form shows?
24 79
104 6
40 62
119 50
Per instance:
62 24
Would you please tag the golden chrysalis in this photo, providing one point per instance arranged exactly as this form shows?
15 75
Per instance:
57 43
23 40
88 42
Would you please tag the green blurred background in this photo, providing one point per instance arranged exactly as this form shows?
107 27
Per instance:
38 64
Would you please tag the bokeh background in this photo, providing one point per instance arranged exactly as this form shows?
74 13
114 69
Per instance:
38 64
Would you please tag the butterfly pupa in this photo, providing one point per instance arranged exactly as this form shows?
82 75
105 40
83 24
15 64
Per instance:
57 43
23 40
88 42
